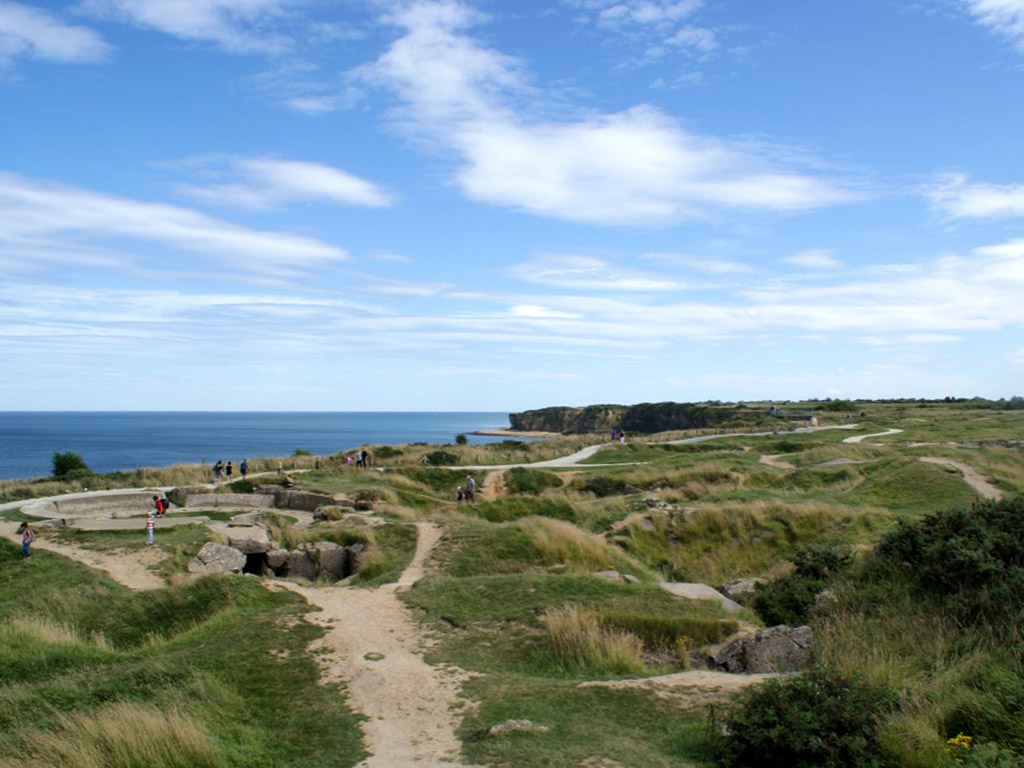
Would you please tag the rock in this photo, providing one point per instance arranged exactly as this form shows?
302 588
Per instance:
250 540
362 505
516 726
608 575
301 566
630 489
778 649
178 495
356 552
276 558
696 591
629 578
301 500
823 601
227 500
741 587
331 559
246 518
217 558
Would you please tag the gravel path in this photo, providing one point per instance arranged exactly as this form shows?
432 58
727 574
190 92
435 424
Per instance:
972 476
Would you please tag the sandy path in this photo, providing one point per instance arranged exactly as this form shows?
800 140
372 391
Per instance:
372 645
493 486
772 460
131 570
972 476
861 438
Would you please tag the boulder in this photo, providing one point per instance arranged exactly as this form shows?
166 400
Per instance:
356 552
741 588
250 540
217 558
178 495
246 518
608 575
301 566
276 558
301 500
331 559
778 649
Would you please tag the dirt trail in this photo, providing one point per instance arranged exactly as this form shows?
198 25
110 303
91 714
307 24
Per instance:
972 476
772 460
373 646
493 486
130 569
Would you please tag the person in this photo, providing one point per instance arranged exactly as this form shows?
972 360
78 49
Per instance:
27 537
470 487
361 458
158 505
280 469
150 527
218 470
244 468
228 470
458 497
316 463
348 460
615 433
622 436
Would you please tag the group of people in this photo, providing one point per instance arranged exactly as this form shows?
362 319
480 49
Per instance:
618 435
467 492
362 458
220 470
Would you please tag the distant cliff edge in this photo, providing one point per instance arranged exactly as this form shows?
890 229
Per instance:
643 418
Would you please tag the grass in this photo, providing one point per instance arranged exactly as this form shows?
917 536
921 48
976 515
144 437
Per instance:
86 665
581 642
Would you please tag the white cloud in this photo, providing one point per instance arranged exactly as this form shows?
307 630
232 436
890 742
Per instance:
1005 17
585 273
714 265
816 258
265 183
635 167
238 26
32 32
953 196
534 310
42 220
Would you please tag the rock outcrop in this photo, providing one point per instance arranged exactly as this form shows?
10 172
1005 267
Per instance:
643 418
778 649
217 558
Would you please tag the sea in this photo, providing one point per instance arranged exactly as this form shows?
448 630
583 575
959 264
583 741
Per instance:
111 441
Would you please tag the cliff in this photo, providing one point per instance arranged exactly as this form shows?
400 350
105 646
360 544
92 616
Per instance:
644 418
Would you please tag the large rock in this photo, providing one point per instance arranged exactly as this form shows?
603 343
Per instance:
331 559
778 649
250 540
741 588
246 518
277 558
179 494
217 558
301 500
301 566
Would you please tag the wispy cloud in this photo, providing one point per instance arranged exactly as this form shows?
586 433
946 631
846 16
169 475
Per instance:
29 31
43 220
955 197
635 167
659 26
585 273
816 258
266 183
237 26
1005 17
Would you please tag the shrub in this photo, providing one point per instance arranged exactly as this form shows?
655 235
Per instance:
440 458
461 439
821 561
808 721
787 600
973 559
602 486
532 481
65 463
388 452
242 486
302 452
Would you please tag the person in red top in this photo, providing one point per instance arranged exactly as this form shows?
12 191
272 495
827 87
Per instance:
27 537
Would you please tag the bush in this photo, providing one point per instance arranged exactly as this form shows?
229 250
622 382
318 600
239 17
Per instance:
461 439
242 486
440 458
821 561
808 721
65 463
388 452
787 600
602 486
971 559
532 481
302 452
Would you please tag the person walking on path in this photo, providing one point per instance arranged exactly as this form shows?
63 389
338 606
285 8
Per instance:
244 468
459 495
27 537
218 470
228 470
150 527
470 487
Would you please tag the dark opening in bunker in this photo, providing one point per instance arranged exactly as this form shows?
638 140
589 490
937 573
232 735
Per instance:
256 563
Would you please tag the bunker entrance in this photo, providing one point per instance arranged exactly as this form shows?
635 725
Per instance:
256 563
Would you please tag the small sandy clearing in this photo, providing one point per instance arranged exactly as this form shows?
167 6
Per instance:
493 486
691 689
773 461
972 476
373 646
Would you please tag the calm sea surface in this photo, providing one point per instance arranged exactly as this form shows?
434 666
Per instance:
111 441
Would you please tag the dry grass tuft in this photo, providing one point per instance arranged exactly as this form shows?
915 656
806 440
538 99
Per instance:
580 642
558 542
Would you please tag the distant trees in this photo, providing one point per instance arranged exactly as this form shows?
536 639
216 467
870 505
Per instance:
68 466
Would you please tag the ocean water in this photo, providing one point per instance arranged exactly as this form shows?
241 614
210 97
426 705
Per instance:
113 441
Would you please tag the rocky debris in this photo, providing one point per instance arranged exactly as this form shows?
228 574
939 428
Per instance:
247 518
629 490
741 588
778 649
217 558
516 726
288 482
694 591
251 540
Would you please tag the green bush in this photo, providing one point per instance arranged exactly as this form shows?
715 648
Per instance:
302 452
440 458
65 463
242 486
532 481
971 559
601 486
461 439
814 720
786 600
821 561
388 452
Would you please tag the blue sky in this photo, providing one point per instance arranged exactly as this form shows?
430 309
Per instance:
461 205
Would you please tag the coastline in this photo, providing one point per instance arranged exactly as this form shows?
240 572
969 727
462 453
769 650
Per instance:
507 432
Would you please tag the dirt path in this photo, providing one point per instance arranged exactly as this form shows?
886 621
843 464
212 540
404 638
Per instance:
493 486
130 569
772 460
972 476
373 646
861 438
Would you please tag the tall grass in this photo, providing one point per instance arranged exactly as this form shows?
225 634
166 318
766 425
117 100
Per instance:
122 735
558 542
581 643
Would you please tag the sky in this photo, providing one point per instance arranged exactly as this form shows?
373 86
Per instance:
480 205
